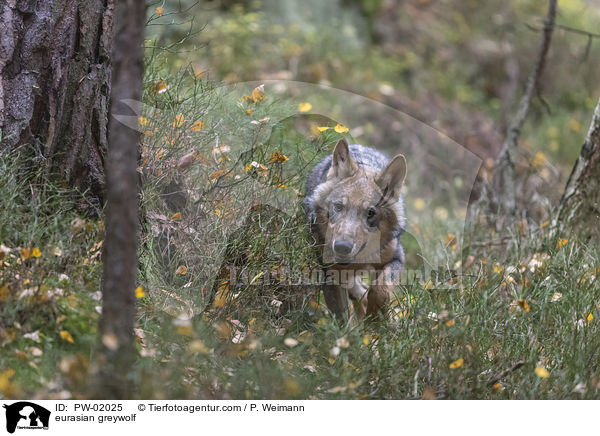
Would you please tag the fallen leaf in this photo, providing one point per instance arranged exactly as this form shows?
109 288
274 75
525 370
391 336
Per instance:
339 128
457 363
139 292
110 341
290 342
258 94
197 126
561 242
523 305
304 107
159 87
278 157
66 336
186 161
178 120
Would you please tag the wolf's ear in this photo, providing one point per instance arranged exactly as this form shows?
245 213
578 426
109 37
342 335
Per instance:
390 179
342 164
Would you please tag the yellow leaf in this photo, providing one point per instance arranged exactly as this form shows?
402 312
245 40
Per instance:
367 339
291 387
341 129
178 121
457 363
539 159
221 297
541 372
4 250
197 346
6 386
574 125
176 216
419 204
25 253
160 87
561 242
304 107
139 292
256 277
4 292
197 126
159 11
523 305
278 157
323 128
66 336
449 323
216 174
428 285
545 223
36 252
249 111
185 330
182 270
258 94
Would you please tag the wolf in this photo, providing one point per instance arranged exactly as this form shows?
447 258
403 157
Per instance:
356 213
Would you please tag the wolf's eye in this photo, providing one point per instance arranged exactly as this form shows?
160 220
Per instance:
338 207
371 213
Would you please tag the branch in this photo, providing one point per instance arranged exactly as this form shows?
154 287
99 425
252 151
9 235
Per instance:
495 379
505 163
590 36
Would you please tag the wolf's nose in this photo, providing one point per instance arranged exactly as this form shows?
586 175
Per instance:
343 248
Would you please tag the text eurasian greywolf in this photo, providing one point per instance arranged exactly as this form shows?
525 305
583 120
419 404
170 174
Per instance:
356 213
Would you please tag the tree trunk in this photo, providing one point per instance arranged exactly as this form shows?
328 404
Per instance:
580 204
55 84
120 261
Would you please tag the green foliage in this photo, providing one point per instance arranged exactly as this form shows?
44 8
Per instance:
49 283
208 157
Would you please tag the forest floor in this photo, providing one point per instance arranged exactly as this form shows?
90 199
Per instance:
518 317
520 321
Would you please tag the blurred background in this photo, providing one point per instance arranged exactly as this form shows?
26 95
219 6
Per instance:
459 66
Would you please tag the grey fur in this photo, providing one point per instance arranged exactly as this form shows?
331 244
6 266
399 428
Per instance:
364 157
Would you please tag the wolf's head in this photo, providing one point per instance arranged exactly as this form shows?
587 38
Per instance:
359 210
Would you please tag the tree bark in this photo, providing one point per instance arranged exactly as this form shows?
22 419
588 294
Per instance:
120 261
504 174
579 210
55 84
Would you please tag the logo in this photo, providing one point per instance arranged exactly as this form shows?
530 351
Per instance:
26 415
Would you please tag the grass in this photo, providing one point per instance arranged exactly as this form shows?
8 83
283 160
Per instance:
518 321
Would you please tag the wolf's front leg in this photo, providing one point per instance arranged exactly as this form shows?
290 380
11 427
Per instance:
382 287
378 298
336 299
